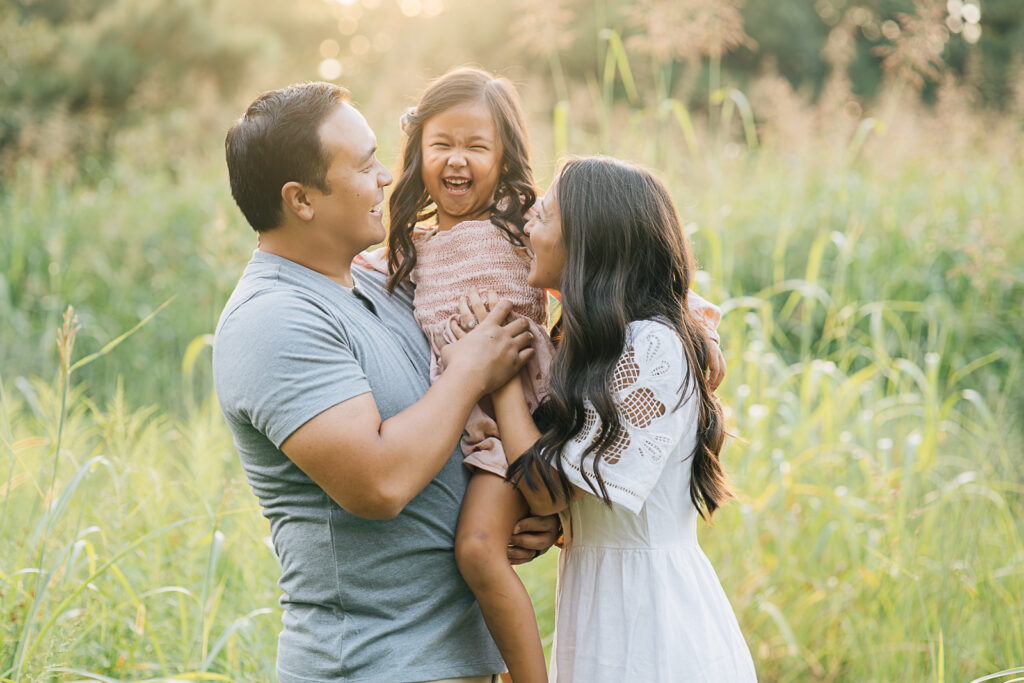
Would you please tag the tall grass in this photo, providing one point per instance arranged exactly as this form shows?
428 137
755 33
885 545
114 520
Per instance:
870 269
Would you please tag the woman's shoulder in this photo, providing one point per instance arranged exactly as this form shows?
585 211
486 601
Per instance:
655 347
652 328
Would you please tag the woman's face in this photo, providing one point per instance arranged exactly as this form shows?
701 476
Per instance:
462 155
545 233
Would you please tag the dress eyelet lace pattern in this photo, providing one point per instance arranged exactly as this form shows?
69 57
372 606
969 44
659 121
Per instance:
645 389
637 598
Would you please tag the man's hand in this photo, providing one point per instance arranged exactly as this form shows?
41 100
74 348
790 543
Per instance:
531 538
495 348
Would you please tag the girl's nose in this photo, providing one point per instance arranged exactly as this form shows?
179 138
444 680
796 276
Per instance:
456 159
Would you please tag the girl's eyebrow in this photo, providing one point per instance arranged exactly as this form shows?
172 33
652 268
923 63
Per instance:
445 135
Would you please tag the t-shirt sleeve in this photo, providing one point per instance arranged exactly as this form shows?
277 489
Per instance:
647 384
280 360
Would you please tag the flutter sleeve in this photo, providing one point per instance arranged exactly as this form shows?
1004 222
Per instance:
646 389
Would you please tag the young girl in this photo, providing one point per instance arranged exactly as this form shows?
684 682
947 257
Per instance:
627 451
457 217
456 223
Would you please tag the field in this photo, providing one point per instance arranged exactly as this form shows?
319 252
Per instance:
870 268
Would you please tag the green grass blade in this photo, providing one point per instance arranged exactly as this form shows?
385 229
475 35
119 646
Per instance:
113 343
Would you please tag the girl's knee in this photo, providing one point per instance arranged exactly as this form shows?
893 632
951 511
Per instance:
480 555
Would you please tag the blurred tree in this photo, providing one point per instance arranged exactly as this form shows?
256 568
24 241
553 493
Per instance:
74 73
107 64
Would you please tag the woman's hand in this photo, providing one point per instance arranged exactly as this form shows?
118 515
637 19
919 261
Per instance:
473 308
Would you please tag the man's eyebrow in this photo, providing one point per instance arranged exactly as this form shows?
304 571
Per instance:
369 155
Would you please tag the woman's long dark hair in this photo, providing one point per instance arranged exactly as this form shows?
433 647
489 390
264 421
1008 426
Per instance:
626 260
410 204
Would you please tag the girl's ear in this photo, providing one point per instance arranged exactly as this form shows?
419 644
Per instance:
296 201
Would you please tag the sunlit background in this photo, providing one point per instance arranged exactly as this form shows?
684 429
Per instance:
850 173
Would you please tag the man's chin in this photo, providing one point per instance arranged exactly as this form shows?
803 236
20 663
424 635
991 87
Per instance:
377 231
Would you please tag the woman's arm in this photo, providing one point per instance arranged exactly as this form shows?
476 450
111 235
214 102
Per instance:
515 424
518 434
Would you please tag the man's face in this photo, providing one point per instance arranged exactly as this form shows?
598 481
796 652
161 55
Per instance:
351 211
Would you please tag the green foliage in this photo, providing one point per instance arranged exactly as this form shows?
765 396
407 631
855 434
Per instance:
145 541
117 251
871 299
868 258
111 65
77 75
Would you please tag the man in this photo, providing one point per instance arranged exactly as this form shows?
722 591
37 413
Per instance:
323 379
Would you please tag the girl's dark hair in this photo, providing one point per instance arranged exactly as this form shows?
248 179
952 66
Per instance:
410 203
626 260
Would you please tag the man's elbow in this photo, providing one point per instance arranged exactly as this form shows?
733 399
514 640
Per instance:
380 503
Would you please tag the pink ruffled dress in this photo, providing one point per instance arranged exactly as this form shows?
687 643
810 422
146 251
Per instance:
475 254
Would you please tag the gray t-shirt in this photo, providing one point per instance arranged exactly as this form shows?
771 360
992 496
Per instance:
364 600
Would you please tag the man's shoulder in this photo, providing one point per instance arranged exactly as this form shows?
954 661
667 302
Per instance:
259 303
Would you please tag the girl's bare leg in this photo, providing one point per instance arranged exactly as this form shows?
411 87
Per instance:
490 509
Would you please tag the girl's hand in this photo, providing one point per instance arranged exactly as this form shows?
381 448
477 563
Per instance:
716 366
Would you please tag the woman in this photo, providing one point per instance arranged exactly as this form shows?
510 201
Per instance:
626 443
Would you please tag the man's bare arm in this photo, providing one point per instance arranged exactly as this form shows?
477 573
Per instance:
373 468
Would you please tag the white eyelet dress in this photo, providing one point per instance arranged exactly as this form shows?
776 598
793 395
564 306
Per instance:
638 601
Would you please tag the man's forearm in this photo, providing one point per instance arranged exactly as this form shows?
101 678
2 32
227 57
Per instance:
417 442
373 467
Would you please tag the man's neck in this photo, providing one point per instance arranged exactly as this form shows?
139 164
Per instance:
328 260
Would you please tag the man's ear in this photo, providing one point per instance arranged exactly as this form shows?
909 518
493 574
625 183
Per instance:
295 200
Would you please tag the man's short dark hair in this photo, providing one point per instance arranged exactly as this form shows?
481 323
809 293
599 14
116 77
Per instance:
277 141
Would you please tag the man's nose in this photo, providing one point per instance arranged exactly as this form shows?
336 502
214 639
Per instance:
385 178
